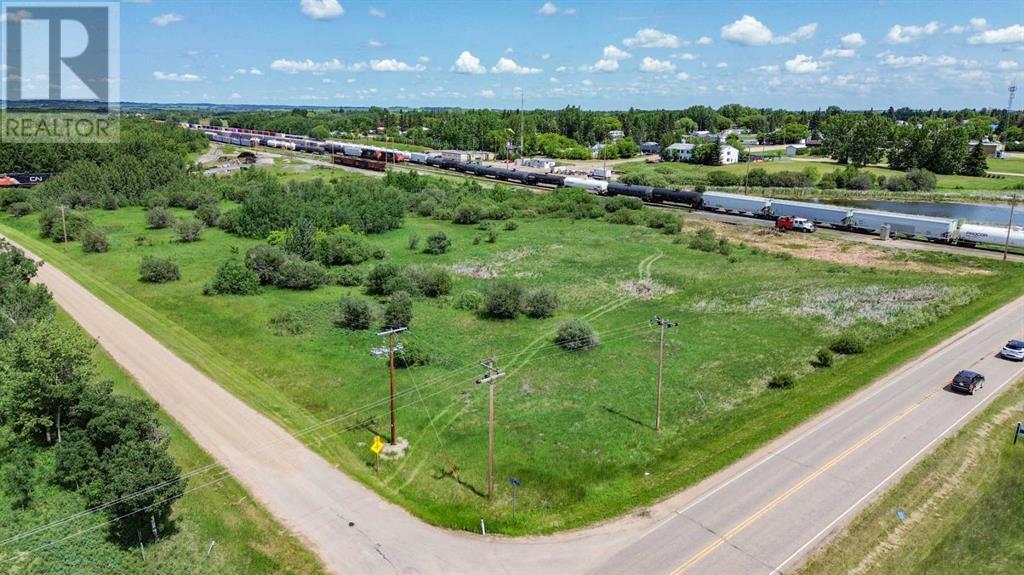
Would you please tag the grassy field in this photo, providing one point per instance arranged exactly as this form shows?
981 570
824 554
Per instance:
1013 165
683 173
215 508
963 506
575 429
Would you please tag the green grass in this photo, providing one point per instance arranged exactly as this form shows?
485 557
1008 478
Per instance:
680 172
963 504
575 429
1013 165
214 508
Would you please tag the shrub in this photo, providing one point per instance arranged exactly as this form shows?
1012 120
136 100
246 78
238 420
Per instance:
782 381
467 213
301 240
52 224
511 226
265 260
189 230
469 300
847 345
575 335
624 217
94 240
159 217
229 220
665 221
492 236
704 240
233 277
503 300
158 270
284 323
724 179
700 188
19 209
398 311
354 313
209 214
437 243
412 354
299 274
347 276
824 358
386 279
433 281
343 249
414 241
617 203
540 302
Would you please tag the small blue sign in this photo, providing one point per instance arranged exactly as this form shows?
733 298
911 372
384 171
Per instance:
901 515
515 482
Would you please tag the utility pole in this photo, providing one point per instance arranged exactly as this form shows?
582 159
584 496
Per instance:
662 324
391 356
489 378
522 121
1009 226
64 223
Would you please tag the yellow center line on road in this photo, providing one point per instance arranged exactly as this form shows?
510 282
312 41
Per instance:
703 553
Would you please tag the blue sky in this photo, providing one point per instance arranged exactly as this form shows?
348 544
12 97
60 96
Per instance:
599 55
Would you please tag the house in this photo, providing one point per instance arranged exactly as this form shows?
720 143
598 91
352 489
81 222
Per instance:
728 154
992 149
680 152
793 149
704 135
595 150
749 140
650 148
616 135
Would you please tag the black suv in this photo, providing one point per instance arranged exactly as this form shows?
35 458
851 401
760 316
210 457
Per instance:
967 382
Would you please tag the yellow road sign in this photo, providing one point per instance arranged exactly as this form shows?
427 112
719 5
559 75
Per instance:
377 446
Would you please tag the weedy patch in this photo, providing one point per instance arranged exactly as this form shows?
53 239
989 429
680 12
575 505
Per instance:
846 306
645 289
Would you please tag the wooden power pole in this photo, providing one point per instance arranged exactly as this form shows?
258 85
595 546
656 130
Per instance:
391 357
1009 227
489 378
662 324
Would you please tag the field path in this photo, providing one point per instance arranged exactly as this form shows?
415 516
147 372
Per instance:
807 483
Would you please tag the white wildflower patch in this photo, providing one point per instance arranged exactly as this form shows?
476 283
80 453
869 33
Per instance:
847 306
645 289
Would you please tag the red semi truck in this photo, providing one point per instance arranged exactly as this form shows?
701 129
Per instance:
789 223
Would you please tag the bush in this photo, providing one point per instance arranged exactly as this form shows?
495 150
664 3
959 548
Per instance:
665 221
299 274
492 236
782 381
94 240
343 249
847 345
540 302
433 281
437 243
158 270
575 335
354 313
724 179
209 214
19 209
414 241
265 260
398 311
511 226
617 203
52 224
189 230
347 276
503 300
412 354
229 220
704 240
386 279
233 277
469 300
159 217
467 213
825 358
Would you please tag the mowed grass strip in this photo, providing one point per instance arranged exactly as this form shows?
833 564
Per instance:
963 506
214 510
575 429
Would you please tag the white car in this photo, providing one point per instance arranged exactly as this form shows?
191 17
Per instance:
1014 350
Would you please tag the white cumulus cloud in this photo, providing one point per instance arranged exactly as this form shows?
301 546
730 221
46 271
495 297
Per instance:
979 23
685 56
1010 35
509 66
375 44
839 53
548 9
249 71
167 19
487 93
377 12
905 34
321 9
704 40
392 65
424 59
852 40
605 65
651 38
307 65
722 65
175 77
649 64
235 96
890 59
682 76
1007 65
611 52
803 64
750 31
467 63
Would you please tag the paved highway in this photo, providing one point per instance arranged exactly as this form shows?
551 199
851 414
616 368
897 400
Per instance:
761 515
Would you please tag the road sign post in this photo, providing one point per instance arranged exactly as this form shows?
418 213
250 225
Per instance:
1020 432
376 448
515 487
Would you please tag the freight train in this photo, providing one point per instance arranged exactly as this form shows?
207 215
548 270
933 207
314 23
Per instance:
944 230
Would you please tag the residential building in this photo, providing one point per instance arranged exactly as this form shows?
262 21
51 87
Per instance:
616 134
793 149
992 149
728 154
680 152
650 148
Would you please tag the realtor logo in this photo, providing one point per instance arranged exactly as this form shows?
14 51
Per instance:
60 67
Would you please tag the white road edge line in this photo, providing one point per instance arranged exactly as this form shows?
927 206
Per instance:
912 459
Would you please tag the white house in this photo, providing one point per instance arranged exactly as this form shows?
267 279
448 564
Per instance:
680 152
595 150
728 154
792 149
616 134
